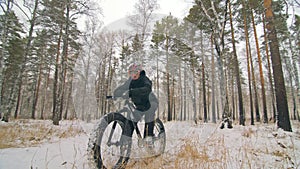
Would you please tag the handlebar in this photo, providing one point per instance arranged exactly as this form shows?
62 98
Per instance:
126 98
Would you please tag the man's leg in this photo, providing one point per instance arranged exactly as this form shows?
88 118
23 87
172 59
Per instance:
149 120
137 115
127 133
149 127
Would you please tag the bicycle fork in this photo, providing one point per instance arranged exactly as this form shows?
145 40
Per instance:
109 143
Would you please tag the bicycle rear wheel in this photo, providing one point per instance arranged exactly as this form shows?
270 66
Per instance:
108 151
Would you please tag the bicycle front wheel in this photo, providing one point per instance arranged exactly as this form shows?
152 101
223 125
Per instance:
108 149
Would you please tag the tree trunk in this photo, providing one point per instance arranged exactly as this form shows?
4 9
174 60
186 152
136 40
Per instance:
18 102
180 91
281 98
36 93
45 94
248 63
262 81
294 71
184 94
101 84
257 113
194 92
157 83
169 102
173 99
213 99
233 98
55 108
204 94
237 73
64 60
269 70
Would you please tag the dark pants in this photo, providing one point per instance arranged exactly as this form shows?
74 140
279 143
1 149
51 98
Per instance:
149 121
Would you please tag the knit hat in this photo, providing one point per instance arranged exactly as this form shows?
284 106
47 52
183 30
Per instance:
135 67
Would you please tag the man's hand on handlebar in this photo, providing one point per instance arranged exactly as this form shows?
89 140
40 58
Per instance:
109 97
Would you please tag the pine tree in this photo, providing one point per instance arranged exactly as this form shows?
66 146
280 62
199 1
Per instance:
13 59
164 36
237 71
281 99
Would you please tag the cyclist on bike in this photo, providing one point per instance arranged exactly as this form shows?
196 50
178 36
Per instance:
139 88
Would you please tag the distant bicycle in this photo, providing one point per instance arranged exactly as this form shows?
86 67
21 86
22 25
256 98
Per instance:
108 149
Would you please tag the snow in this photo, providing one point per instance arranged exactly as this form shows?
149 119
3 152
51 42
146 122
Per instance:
189 145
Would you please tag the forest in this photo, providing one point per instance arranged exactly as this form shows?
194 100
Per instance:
236 58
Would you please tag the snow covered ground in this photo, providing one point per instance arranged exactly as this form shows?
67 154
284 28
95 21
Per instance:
188 146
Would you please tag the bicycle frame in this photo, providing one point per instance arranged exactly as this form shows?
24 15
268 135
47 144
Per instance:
127 108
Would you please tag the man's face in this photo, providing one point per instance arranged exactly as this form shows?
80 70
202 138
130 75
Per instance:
134 74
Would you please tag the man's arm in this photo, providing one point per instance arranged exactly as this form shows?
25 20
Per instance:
119 91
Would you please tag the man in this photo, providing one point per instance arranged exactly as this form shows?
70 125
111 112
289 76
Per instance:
226 116
139 89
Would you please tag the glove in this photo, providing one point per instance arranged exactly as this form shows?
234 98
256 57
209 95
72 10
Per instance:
109 97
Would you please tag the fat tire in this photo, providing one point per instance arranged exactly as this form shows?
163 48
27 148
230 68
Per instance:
104 122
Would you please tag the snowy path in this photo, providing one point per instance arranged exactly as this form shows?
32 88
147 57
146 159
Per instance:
188 146
65 153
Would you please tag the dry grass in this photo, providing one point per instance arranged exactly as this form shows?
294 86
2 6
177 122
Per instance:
195 155
192 154
223 151
22 133
248 132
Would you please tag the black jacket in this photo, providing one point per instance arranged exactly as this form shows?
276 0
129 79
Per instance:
140 91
